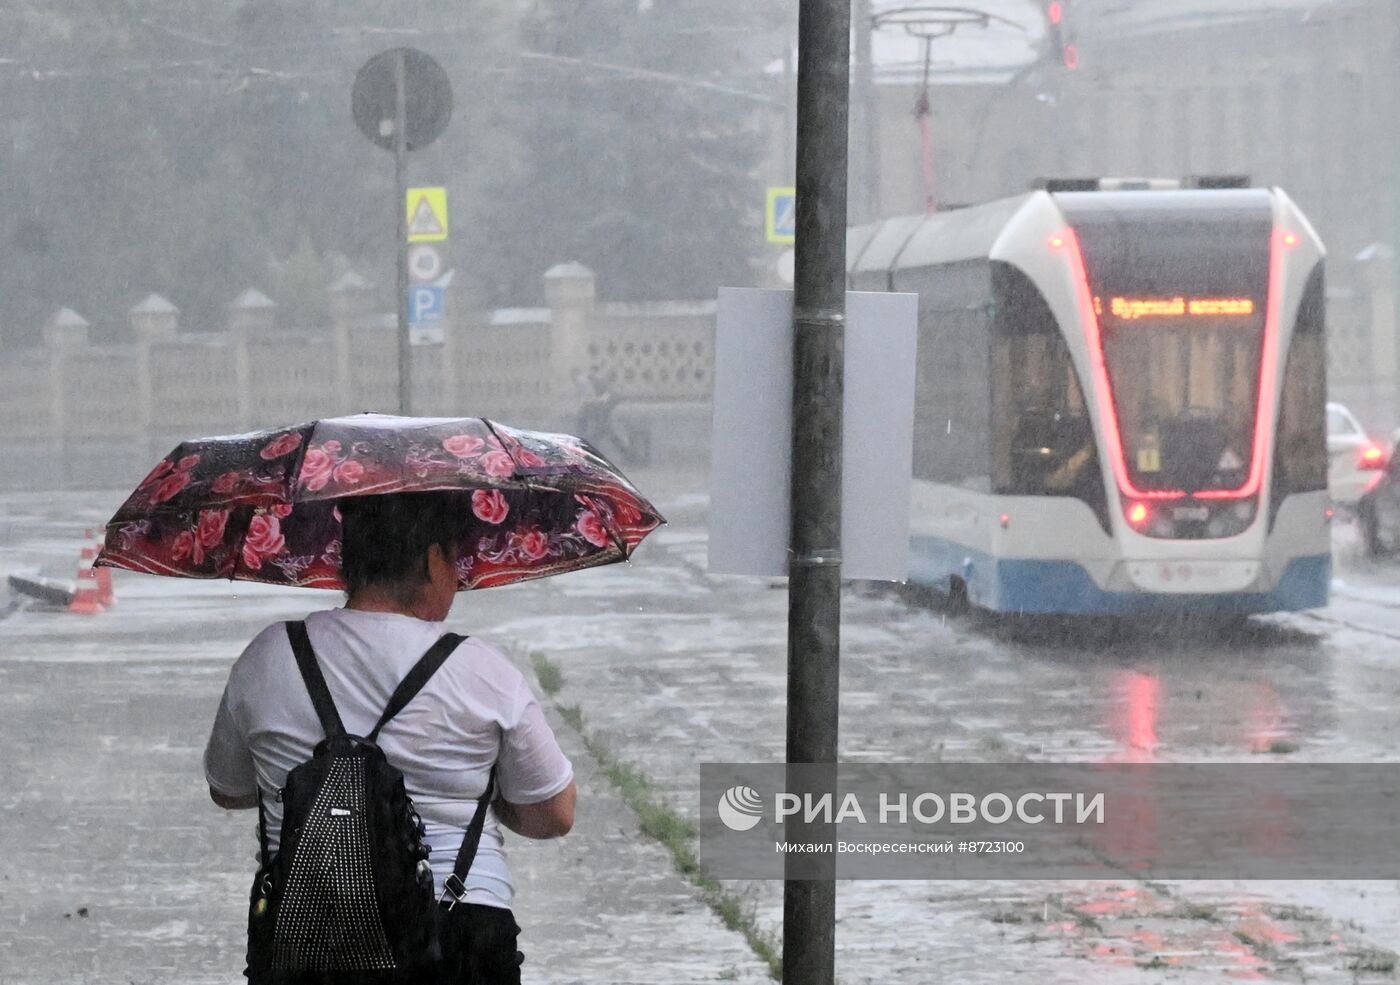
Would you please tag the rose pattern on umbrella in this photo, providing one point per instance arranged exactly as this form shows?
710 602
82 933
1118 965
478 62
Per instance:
226 482
283 444
212 524
184 547
532 544
497 464
263 540
261 507
592 529
490 506
348 473
169 487
327 469
463 445
169 479
207 535
318 465
220 471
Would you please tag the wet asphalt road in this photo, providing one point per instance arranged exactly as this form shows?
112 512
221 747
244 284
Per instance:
672 667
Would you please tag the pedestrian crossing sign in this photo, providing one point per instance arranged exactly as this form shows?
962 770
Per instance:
781 213
427 215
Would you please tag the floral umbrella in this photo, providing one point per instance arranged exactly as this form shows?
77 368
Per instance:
262 506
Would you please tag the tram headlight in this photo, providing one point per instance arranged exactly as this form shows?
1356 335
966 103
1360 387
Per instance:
1138 515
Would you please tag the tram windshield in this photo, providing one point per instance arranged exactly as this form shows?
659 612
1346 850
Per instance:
1184 372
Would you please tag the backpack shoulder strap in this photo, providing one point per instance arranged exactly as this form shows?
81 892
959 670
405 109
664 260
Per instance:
455 886
414 680
315 683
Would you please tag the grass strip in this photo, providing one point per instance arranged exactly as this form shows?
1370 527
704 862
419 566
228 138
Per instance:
660 822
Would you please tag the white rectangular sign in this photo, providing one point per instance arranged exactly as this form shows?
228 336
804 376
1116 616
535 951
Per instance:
751 454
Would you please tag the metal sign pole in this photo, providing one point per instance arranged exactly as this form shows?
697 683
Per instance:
401 225
379 103
814 586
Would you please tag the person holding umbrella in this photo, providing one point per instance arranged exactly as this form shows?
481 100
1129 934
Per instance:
402 514
399 558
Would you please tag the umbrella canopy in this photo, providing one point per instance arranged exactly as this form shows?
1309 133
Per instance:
263 506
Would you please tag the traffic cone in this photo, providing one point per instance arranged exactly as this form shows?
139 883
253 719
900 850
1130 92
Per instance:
87 599
106 592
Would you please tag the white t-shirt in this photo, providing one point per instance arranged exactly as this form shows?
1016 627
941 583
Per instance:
476 710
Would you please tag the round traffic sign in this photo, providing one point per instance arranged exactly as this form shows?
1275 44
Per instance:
427 98
424 263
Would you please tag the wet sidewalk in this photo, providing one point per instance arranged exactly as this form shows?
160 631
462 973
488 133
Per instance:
116 868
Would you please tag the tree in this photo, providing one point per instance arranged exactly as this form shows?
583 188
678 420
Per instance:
195 149
638 146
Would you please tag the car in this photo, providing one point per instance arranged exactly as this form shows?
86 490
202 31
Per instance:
1379 511
1355 463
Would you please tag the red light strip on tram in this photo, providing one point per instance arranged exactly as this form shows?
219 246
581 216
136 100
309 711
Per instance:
1069 241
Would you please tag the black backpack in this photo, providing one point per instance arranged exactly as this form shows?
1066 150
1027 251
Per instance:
349 895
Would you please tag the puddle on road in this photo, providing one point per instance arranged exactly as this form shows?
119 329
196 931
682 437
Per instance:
1147 927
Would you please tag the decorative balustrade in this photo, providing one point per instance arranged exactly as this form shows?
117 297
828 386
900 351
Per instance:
523 366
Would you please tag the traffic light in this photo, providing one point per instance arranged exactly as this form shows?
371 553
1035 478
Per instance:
1059 35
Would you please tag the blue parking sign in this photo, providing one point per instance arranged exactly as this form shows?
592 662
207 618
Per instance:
425 305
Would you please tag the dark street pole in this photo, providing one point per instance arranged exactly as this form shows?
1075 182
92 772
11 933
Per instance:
401 224
814 587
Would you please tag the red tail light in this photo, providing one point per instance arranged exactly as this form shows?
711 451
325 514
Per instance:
1372 457
1138 514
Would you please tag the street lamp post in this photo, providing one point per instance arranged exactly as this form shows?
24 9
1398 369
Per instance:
929 24
865 179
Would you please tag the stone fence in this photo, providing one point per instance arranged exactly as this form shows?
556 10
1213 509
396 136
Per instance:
75 412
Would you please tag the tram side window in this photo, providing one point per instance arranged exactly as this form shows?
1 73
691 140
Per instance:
1300 462
1042 435
951 410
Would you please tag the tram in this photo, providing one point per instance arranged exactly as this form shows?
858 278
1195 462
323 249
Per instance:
1121 399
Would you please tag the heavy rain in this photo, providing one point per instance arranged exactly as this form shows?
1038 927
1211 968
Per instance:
1141 404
